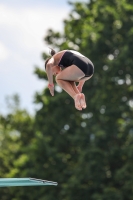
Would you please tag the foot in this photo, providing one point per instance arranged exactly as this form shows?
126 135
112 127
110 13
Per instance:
77 102
82 101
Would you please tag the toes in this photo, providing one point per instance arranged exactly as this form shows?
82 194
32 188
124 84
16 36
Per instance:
77 102
78 105
82 101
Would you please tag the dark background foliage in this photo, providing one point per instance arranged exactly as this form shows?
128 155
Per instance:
89 153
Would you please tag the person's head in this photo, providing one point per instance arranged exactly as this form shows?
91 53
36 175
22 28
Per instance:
52 52
55 69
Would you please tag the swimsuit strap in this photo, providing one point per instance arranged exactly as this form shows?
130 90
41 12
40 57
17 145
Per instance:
61 58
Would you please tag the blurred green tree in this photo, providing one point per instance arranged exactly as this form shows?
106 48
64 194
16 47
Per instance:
97 140
16 133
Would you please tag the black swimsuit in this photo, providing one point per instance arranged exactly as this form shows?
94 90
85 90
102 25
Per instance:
70 58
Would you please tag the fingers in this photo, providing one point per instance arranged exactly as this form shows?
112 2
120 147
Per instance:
52 91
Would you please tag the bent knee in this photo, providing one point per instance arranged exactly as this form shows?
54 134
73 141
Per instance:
57 78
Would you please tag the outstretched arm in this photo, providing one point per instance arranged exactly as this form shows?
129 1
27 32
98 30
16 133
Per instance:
49 72
50 75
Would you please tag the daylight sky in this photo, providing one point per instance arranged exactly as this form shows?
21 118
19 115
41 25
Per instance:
23 25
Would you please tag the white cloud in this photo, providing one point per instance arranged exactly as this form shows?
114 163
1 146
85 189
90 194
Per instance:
29 25
22 30
3 52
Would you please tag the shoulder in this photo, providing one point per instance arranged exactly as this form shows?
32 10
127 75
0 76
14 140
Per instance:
49 63
51 60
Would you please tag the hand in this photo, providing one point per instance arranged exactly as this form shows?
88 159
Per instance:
51 89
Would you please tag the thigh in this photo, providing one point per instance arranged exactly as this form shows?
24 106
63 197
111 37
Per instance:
71 73
86 78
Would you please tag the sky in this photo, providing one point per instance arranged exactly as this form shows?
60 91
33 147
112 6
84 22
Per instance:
23 25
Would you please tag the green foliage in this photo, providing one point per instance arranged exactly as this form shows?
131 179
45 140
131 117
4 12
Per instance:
16 132
89 153
40 73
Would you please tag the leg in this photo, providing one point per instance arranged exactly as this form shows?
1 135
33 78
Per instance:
82 81
71 73
75 87
80 85
80 97
66 80
67 86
